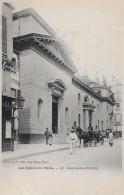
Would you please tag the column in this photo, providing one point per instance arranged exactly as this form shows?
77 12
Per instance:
86 119
93 122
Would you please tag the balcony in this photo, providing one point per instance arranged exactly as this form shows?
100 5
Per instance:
7 64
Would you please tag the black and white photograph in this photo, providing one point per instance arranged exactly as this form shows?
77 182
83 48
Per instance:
62 85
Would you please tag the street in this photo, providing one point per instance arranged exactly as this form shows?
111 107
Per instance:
99 157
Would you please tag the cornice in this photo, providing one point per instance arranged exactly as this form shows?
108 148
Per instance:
30 40
82 85
85 87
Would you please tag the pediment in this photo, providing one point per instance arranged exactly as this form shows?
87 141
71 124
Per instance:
57 87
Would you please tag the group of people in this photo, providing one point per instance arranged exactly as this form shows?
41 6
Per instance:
88 136
76 135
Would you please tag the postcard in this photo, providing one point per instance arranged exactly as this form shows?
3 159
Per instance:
61 97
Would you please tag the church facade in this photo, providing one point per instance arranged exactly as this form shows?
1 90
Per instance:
54 96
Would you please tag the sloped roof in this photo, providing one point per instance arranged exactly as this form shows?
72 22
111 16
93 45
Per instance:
110 99
38 18
65 54
9 5
21 42
61 46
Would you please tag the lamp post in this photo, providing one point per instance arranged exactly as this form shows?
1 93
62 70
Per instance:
16 105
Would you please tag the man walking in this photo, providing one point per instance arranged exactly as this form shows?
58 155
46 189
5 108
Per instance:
46 135
72 139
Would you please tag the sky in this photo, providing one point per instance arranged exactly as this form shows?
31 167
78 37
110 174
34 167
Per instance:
92 29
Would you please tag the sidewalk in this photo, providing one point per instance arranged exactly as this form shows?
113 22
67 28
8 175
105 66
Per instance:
25 150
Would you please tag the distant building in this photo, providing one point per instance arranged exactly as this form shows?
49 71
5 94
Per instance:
105 92
10 79
117 89
54 97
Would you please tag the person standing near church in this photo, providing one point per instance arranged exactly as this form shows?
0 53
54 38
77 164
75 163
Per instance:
46 135
72 140
75 126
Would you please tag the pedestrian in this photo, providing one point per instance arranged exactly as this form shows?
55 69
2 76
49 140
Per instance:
72 139
102 138
13 139
50 138
111 138
46 135
79 133
75 126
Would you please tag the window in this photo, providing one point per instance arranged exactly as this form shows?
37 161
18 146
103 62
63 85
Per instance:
40 102
79 121
4 34
98 124
66 116
18 93
86 99
118 117
13 92
13 64
79 98
117 107
118 98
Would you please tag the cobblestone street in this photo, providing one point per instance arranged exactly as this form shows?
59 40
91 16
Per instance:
100 157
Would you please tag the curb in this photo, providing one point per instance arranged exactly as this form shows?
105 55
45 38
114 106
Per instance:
35 154
44 152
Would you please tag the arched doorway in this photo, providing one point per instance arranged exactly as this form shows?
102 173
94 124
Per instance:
57 88
55 114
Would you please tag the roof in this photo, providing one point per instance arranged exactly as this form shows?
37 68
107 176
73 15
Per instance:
89 90
65 54
37 40
86 87
33 13
9 5
52 37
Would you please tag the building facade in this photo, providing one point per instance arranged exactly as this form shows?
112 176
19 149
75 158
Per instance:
10 79
54 96
117 90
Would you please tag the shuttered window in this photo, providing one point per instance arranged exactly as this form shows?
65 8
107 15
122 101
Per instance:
4 34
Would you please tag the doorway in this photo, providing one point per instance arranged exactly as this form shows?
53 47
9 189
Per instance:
90 118
54 114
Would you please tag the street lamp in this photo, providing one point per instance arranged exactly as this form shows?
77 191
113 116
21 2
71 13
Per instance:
16 105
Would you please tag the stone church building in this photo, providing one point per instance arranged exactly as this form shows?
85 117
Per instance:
54 96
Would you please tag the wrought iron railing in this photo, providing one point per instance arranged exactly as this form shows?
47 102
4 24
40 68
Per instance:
7 64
